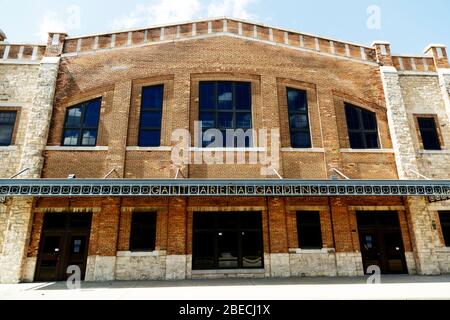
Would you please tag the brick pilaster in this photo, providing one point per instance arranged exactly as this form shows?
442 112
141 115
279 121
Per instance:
118 140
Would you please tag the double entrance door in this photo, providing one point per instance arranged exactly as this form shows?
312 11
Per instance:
64 242
228 241
381 241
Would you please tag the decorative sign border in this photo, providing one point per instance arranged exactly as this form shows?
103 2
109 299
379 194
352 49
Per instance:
437 190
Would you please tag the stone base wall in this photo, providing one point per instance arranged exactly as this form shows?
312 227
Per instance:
349 264
444 260
313 263
410 263
140 266
100 268
279 265
29 269
176 267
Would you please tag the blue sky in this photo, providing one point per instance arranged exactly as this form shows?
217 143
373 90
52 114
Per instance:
409 25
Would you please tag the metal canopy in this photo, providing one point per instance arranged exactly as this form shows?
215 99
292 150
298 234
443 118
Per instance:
437 189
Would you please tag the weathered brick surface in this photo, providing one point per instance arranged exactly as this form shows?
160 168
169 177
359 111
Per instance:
187 63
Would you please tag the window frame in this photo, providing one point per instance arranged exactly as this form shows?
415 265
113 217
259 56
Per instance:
151 109
362 131
435 130
445 225
82 128
152 234
292 131
234 110
309 225
12 125
214 230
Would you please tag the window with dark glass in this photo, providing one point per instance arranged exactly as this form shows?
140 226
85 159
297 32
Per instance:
298 118
143 232
429 133
81 125
444 217
362 128
151 116
7 122
226 105
309 230
227 240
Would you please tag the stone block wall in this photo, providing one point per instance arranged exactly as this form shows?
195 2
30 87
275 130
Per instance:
18 86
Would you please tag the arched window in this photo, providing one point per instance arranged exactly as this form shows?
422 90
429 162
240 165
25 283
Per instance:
362 128
81 125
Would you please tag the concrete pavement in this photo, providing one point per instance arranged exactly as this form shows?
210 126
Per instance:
390 288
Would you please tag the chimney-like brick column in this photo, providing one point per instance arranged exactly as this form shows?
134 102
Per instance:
383 52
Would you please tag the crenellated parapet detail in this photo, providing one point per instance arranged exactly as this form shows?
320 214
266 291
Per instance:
213 28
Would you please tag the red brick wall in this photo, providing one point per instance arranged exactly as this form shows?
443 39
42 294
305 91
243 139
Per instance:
111 223
118 76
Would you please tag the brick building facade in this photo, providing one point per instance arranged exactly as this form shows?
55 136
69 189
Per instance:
363 166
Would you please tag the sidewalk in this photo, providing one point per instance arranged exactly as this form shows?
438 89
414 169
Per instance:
392 287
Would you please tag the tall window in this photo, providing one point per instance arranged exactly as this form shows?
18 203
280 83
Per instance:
151 116
298 118
362 128
309 230
143 232
226 105
429 133
7 122
81 126
444 217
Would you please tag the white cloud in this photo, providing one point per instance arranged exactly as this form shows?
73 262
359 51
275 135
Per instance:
168 11
163 11
52 21
233 8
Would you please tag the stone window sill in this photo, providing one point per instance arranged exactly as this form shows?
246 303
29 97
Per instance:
225 271
227 149
141 254
311 251
367 150
437 152
443 249
8 148
311 150
61 148
149 148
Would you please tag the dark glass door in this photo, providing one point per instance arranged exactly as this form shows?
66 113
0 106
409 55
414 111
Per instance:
381 241
370 249
64 243
50 257
228 241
